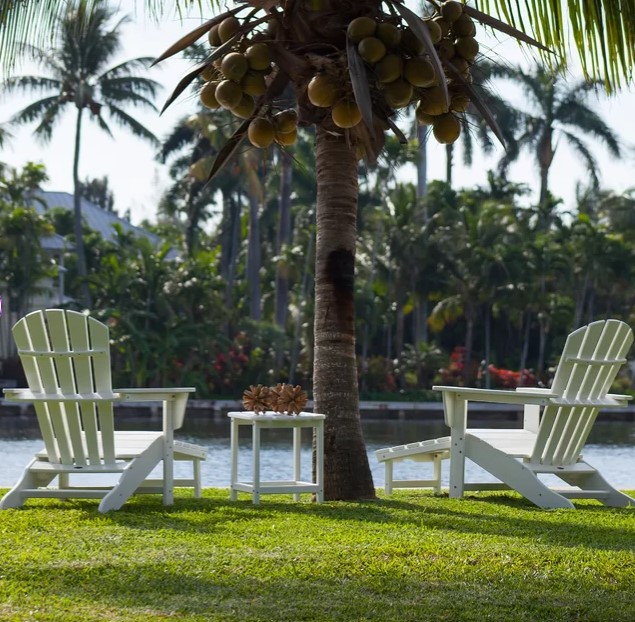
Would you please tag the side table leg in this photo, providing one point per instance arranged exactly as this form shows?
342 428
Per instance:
256 464
234 460
319 458
297 459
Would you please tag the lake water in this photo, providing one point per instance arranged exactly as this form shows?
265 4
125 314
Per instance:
611 449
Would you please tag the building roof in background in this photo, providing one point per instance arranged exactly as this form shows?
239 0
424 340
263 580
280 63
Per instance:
97 218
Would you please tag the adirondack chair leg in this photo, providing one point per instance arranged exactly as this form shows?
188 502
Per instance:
388 477
514 474
437 476
196 467
16 497
134 475
456 417
594 481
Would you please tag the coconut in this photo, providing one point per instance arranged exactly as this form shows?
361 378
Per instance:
389 68
434 29
253 84
285 121
208 96
423 118
260 132
322 91
213 36
443 24
459 102
420 72
234 66
464 26
446 128
228 94
451 10
445 49
389 34
398 93
245 107
286 139
258 56
209 73
228 28
433 101
346 114
371 49
360 28
467 48
411 43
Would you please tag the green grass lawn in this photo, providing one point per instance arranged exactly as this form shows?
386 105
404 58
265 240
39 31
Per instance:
412 556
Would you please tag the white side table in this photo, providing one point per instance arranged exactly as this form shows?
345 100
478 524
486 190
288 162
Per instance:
273 420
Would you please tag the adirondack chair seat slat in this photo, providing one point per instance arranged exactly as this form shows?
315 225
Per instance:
557 423
66 360
63 353
598 362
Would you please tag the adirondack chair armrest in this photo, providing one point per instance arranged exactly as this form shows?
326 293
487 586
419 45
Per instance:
177 395
26 395
455 400
522 395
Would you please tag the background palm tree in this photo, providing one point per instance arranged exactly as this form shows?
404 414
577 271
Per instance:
556 109
79 76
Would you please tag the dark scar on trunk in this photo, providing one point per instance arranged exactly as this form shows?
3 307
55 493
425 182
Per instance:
340 270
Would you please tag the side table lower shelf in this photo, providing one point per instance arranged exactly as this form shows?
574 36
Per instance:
296 486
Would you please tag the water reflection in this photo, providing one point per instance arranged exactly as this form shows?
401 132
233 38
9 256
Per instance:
611 448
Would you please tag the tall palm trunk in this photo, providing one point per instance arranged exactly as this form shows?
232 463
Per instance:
449 163
77 220
347 472
283 238
253 257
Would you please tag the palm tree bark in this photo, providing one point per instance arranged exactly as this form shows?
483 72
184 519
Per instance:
77 220
335 388
283 238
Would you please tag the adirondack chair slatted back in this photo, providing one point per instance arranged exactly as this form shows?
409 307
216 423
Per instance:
66 355
590 361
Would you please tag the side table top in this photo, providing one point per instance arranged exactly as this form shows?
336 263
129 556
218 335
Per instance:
247 415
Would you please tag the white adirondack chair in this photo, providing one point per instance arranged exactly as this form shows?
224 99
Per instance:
557 422
66 359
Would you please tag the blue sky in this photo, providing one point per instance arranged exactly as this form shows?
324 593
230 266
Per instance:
138 180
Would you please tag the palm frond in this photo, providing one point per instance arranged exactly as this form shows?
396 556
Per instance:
139 91
587 156
125 120
32 84
603 33
41 108
30 21
584 118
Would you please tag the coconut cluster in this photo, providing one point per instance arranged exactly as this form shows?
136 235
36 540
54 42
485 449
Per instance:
236 80
401 71
452 32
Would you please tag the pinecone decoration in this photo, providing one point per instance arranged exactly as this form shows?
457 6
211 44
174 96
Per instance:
275 394
291 400
257 398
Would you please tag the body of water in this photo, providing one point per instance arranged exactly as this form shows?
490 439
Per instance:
611 449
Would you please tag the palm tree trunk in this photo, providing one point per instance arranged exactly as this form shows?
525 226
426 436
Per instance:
302 303
283 239
449 163
253 258
77 220
335 389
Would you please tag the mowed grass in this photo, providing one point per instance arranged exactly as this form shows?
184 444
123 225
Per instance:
412 556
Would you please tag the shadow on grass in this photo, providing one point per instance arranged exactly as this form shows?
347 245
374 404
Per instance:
497 514
591 525
216 591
